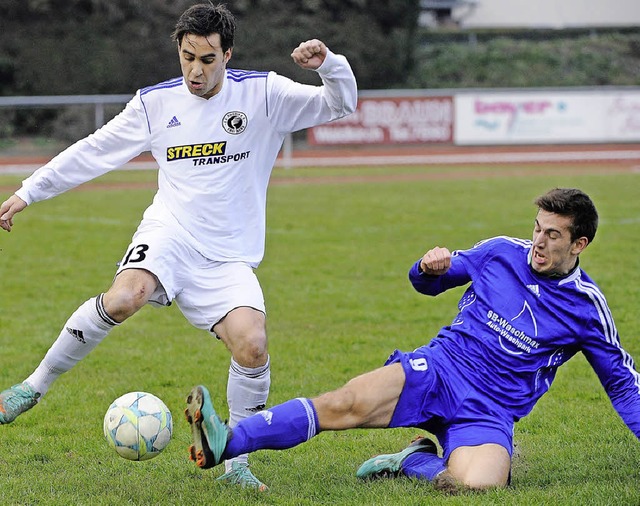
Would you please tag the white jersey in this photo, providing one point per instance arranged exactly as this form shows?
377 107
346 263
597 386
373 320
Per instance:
215 156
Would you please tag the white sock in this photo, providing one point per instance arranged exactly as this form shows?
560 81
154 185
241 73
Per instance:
84 329
247 392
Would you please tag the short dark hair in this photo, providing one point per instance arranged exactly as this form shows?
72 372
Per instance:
575 204
204 20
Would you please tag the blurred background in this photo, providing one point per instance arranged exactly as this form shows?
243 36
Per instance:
419 49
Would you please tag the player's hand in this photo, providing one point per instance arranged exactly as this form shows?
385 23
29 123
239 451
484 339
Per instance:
8 209
310 54
436 261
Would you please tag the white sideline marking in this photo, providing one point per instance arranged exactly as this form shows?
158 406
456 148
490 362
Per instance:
471 158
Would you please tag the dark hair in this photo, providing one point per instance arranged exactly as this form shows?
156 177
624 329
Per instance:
575 204
205 20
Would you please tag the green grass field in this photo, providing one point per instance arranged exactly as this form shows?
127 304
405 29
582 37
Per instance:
335 281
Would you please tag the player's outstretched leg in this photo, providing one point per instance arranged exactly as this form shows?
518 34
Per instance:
210 434
15 401
391 465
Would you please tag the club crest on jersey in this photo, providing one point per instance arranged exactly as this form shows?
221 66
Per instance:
234 122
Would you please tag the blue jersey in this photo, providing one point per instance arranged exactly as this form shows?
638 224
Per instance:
516 327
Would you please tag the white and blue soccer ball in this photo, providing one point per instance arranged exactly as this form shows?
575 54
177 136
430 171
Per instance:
138 426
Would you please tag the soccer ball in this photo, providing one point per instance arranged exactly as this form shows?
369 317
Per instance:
138 426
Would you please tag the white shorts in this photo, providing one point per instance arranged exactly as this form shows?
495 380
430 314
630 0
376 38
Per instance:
204 290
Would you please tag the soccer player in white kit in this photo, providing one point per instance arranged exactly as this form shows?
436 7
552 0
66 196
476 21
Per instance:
215 134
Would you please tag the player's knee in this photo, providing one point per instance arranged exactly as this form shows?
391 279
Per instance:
120 303
448 483
251 350
479 479
480 467
339 409
343 401
483 483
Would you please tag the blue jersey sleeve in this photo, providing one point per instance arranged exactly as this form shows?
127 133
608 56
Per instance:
434 285
614 367
616 371
463 265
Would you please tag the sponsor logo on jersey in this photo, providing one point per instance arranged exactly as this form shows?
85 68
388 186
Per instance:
518 334
196 150
234 122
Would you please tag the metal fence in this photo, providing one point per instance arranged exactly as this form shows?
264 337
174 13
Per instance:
45 101
99 102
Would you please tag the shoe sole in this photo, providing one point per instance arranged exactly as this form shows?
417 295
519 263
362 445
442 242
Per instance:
199 451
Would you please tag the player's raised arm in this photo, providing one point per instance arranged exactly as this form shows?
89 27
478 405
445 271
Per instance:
436 261
310 54
8 209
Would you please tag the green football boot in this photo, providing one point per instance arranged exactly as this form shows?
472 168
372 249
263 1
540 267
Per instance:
210 434
15 401
241 475
390 465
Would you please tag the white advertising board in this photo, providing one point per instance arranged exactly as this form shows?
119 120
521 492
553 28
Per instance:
552 117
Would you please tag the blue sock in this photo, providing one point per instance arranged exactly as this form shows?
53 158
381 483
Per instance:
423 465
283 426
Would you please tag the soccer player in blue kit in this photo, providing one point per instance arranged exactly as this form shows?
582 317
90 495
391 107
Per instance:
528 308
215 133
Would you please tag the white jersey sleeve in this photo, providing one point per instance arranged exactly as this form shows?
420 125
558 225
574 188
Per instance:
293 106
117 142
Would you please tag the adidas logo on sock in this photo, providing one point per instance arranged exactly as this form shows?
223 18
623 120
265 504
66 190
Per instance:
77 334
267 415
173 123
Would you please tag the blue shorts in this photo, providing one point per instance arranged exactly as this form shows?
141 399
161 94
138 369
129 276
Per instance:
435 398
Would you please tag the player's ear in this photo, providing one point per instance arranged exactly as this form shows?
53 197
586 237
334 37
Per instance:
579 245
227 55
